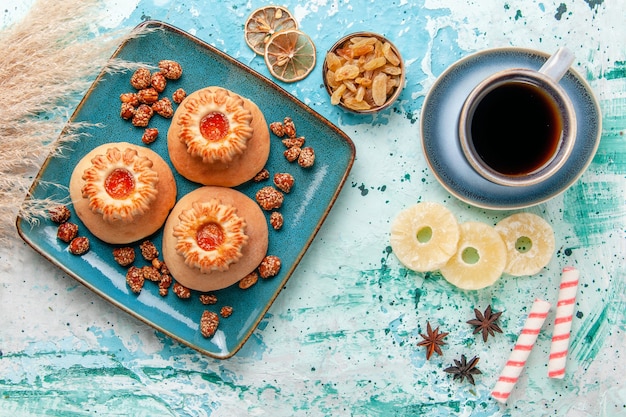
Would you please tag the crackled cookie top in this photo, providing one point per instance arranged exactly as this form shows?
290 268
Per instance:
210 236
215 125
120 185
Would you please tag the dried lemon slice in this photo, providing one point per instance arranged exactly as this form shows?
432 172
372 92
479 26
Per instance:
263 23
480 259
529 242
424 236
290 55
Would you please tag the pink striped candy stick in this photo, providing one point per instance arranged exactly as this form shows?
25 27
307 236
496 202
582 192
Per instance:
563 322
525 342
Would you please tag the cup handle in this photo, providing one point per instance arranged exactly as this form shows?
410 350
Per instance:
557 65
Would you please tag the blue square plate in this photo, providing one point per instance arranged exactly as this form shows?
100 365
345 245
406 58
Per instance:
305 207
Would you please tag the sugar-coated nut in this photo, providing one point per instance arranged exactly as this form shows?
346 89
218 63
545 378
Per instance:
148 250
160 265
148 95
181 291
127 111
226 311
59 214
171 69
269 267
249 280
179 95
135 279
151 273
149 135
278 129
67 231
208 299
262 175
292 153
306 159
158 81
142 116
164 284
208 323
141 78
294 142
163 108
269 198
289 127
124 256
130 98
276 220
284 181
79 245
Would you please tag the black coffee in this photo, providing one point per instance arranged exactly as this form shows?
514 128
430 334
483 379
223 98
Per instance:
516 128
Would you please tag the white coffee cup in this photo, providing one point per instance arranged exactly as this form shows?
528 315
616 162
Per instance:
518 126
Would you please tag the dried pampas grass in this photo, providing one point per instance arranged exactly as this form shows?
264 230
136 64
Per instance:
48 61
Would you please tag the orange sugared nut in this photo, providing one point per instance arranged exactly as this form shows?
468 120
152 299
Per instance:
149 135
179 95
67 231
171 69
127 111
269 267
208 323
181 291
249 280
294 142
261 176
306 159
208 299
289 127
278 129
124 256
130 98
163 108
292 153
79 245
276 220
148 250
226 311
142 116
59 214
284 181
151 273
141 78
158 81
135 279
148 95
160 265
164 284
269 198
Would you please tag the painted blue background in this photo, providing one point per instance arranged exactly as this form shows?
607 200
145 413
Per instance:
341 337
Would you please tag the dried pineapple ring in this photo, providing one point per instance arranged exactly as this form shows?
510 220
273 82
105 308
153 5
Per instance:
424 236
480 259
529 242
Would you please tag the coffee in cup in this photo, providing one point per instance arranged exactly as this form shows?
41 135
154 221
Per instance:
518 126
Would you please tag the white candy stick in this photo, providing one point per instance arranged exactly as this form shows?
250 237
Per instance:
563 322
525 342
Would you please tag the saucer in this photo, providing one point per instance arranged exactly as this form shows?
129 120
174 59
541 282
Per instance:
442 148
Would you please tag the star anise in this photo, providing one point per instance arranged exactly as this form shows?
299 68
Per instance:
433 341
464 369
486 323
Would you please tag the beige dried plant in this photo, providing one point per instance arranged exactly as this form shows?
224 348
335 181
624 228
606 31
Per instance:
49 60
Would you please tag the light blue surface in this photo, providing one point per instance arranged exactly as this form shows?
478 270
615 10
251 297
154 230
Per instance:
341 337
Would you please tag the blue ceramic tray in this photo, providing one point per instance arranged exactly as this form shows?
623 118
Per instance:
305 208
